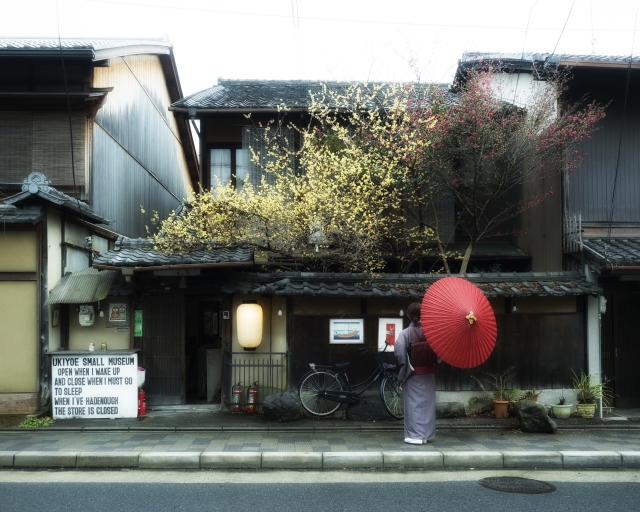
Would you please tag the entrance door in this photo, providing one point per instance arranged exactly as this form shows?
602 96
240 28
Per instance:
163 350
626 312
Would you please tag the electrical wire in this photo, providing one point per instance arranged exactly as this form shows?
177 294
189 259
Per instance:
624 114
347 20
66 87
562 32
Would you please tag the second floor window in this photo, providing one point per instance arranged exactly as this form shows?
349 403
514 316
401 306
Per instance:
229 165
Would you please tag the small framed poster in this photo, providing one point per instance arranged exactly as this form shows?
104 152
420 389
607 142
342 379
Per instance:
346 330
388 331
55 317
117 314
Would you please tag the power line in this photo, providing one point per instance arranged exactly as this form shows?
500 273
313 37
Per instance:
349 20
563 28
624 114
66 87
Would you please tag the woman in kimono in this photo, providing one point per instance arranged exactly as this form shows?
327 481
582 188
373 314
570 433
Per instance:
419 384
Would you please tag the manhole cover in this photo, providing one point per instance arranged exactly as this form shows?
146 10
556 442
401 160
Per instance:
516 484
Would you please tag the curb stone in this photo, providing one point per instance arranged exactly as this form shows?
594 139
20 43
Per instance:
584 459
630 459
107 459
324 460
464 459
39 459
231 460
337 460
522 459
6 459
169 460
292 460
396 459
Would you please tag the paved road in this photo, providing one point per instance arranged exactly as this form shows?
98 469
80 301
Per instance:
309 491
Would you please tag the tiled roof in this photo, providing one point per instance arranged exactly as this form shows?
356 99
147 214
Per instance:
129 252
9 214
263 94
410 286
97 49
37 185
528 59
617 252
484 251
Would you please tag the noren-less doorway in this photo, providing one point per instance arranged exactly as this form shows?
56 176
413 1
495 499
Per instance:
203 350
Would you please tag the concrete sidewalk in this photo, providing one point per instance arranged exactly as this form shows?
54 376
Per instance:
246 443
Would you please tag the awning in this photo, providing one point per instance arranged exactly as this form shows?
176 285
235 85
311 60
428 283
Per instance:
82 287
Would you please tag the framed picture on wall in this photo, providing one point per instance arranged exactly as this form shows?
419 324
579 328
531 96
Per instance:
346 330
388 330
55 317
117 314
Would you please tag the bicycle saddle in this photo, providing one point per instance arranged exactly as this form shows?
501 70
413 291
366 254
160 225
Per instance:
341 365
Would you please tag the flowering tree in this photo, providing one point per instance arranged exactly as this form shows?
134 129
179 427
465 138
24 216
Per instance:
361 189
337 202
484 148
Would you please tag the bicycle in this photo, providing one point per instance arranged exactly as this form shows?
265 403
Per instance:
323 388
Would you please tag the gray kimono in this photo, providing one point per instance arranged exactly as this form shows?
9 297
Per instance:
419 389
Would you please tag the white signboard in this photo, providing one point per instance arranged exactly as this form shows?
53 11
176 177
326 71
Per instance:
95 386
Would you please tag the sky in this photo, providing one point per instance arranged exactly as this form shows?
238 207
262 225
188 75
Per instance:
392 40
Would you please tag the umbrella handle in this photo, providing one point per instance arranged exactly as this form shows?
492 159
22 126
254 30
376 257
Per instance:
471 317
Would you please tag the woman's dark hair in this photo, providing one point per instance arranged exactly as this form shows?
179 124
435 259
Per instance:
413 311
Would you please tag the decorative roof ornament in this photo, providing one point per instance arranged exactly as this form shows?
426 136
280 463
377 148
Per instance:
35 182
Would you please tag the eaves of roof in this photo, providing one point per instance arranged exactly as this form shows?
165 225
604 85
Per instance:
244 96
9 214
88 48
37 186
140 254
410 286
527 61
614 254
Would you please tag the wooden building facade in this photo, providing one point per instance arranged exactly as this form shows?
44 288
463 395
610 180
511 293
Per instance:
596 227
85 140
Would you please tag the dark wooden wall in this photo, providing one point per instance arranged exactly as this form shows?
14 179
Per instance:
544 347
590 188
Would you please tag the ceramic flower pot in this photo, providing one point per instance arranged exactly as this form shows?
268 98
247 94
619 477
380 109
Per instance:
562 411
586 410
501 409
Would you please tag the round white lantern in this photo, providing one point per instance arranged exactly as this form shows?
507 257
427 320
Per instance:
249 324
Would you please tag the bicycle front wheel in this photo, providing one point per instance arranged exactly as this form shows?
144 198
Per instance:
392 396
311 384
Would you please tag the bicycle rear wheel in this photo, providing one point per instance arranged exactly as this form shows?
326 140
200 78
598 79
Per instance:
392 396
311 384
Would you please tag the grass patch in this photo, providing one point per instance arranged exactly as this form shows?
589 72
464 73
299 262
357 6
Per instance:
33 422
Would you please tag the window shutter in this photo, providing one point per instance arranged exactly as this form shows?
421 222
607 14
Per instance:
39 141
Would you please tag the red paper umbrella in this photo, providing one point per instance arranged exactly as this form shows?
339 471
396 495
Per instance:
458 322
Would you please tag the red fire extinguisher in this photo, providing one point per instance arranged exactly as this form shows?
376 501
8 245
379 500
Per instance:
142 402
236 398
252 397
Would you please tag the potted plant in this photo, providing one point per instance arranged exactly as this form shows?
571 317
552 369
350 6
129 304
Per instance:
529 395
499 391
589 389
562 409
